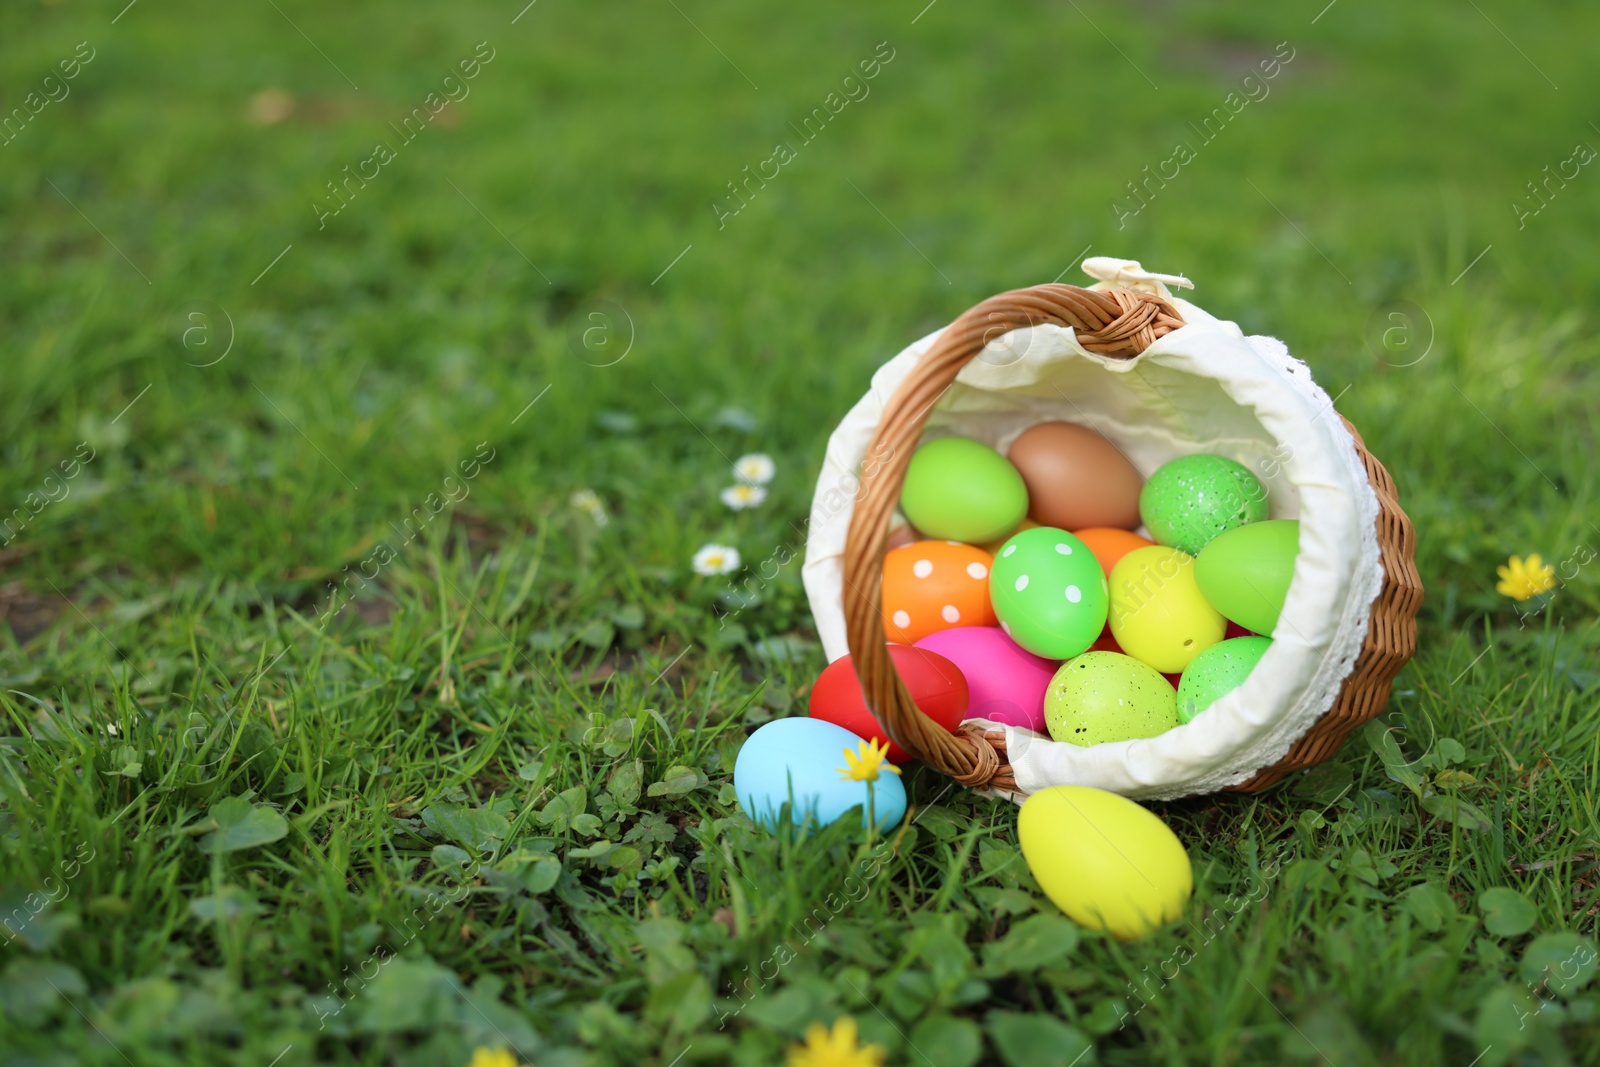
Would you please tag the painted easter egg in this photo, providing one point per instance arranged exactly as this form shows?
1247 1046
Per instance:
1075 477
1109 544
1245 573
1104 860
1218 670
1158 614
934 585
1103 696
1192 499
936 685
1005 682
1048 593
961 489
795 762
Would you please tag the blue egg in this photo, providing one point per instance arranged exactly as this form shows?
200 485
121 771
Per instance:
796 760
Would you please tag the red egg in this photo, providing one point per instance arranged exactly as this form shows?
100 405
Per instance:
1107 643
936 686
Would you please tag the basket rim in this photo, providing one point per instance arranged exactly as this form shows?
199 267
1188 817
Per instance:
1124 324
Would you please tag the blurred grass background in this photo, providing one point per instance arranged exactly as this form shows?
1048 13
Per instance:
161 214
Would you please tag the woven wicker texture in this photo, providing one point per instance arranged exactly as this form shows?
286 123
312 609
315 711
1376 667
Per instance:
1118 323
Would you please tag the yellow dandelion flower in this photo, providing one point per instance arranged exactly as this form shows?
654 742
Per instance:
498 1057
1524 579
836 1049
866 763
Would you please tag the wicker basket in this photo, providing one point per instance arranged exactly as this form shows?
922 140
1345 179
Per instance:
1112 322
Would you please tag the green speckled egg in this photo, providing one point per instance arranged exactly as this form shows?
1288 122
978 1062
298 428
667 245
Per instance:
1189 501
1106 696
1049 592
959 489
1218 670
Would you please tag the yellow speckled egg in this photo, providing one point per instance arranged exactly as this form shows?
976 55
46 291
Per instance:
1102 696
1158 613
1107 862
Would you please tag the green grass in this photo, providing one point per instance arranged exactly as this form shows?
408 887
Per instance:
238 827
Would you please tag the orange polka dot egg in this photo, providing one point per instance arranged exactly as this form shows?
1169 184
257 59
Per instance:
930 586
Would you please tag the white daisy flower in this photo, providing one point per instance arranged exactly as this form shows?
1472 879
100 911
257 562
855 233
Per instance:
111 729
716 559
756 468
739 497
588 502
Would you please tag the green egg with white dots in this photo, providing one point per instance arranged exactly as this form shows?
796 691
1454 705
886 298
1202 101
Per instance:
1216 672
1106 696
1192 499
1049 592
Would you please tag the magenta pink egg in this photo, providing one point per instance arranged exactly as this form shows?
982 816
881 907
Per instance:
1006 683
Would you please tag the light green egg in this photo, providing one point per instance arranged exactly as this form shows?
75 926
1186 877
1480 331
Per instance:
1217 671
958 489
1106 696
1245 573
1048 592
1192 499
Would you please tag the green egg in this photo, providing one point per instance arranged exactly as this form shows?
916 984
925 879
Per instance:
1106 696
1192 499
1245 573
1048 592
958 489
1217 671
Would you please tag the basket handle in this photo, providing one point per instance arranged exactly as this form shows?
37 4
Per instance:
1120 323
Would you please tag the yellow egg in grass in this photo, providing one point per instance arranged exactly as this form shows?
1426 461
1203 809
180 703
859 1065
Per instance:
1104 860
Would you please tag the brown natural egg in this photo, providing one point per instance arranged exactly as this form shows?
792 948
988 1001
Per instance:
1076 478
900 536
